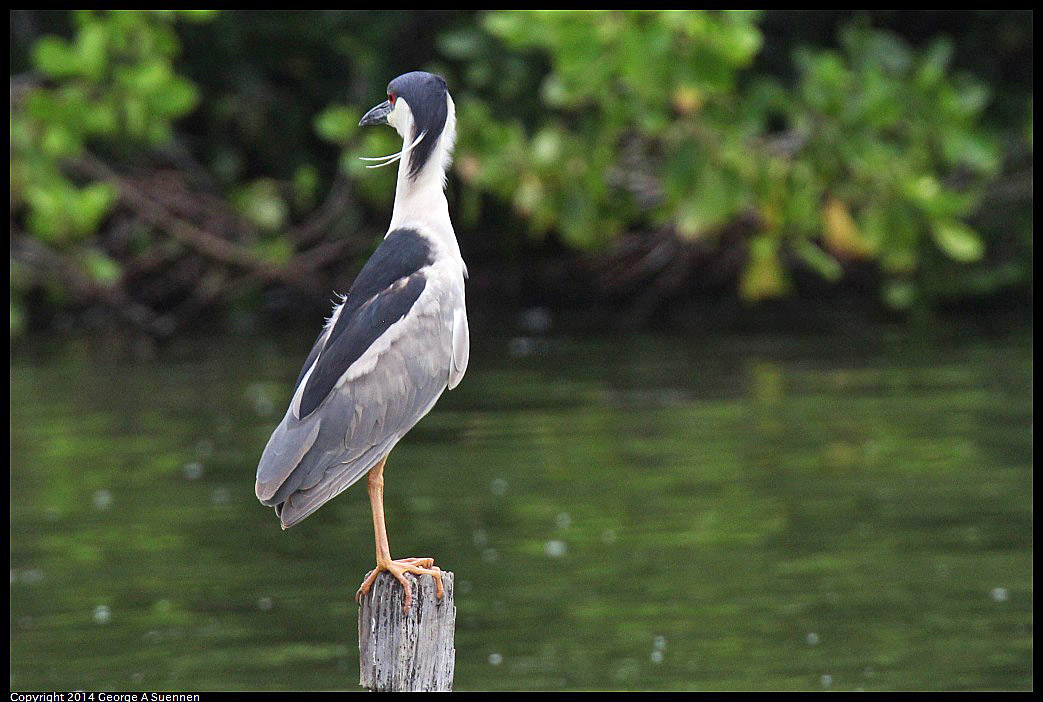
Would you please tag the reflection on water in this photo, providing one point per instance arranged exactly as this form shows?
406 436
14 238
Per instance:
655 512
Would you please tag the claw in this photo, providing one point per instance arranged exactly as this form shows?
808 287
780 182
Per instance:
417 566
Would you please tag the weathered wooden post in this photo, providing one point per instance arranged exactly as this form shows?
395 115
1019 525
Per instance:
407 651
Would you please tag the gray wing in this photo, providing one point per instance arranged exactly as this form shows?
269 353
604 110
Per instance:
375 398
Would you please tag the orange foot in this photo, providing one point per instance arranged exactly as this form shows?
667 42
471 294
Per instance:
398 568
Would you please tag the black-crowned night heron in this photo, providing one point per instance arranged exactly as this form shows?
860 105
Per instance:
396 341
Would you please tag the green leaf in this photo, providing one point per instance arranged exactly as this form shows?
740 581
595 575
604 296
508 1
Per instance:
823 264
58 142
94 203
337 124
935 62
46 211
101 268
972 149
177 97
546 147
958 241
91 50
54 57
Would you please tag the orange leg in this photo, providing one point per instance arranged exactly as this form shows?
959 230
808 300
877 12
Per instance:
418 566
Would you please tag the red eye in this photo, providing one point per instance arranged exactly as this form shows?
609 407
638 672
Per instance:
391 98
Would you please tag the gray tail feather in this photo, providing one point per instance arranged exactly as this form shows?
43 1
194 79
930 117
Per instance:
302 503
335 480
283 457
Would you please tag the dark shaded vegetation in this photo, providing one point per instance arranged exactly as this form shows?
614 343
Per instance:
168 167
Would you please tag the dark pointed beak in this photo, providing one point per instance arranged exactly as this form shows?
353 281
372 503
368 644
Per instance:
378 115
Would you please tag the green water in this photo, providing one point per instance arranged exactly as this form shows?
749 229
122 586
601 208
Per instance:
623 512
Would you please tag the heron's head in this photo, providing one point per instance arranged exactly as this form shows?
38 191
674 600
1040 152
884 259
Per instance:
422 112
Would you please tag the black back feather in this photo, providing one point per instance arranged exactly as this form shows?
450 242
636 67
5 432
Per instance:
373 304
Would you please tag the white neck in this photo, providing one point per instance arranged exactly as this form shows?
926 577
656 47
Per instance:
420 200
421 197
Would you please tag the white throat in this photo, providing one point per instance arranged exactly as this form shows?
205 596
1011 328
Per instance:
420 199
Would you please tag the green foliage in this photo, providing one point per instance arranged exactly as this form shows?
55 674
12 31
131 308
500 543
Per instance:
619 102
112 83
650 120
897 148
60 212
808 146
